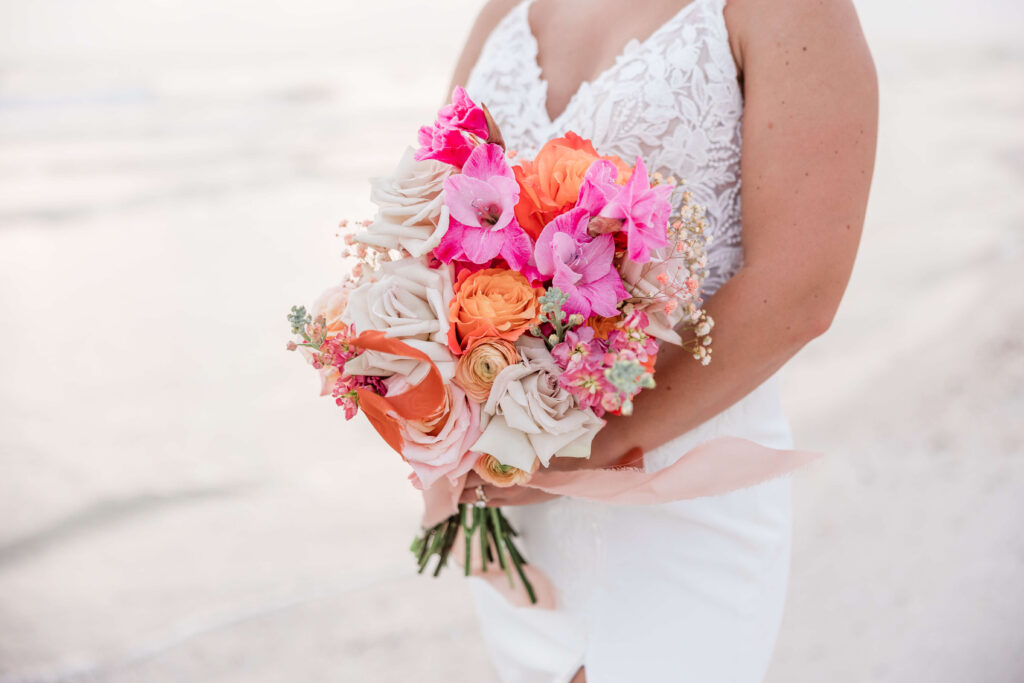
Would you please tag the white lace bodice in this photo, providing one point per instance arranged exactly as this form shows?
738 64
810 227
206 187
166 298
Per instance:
673 99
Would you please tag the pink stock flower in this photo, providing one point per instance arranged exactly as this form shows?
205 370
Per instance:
643 210
580 265
463 114
344 391
579 343
481 202
446 139
586 381
631 335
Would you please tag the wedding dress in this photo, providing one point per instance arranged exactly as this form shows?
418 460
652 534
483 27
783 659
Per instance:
686 591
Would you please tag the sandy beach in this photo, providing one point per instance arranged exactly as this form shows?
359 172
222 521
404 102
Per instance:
176 504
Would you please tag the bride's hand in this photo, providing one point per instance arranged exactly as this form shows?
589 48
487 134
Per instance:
607 451
501 496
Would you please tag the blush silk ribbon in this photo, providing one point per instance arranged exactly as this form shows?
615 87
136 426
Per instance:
712 468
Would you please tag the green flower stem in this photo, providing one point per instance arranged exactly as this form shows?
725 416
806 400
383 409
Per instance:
492 527
485 547
468 528
495 530
451 532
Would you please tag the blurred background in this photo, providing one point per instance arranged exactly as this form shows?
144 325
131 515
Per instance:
176 504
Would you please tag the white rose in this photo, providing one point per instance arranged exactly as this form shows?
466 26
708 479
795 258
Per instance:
406 300
529 415
411 214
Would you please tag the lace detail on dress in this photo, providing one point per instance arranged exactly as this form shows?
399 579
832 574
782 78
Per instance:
672 99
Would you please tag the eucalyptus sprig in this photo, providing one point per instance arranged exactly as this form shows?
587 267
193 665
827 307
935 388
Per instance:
552 313
629 377
313 332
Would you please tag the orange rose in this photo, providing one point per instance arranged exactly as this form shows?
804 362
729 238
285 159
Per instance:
493 472
493 302
550 184
481 363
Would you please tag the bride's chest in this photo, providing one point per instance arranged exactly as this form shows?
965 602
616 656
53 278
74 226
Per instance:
674 93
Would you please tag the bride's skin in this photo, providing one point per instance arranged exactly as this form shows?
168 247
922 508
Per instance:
809 130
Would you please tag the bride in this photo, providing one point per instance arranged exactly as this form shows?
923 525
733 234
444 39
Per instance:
782 93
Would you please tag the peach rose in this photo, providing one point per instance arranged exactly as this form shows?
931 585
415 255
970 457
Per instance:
477 368
331 305
550 184
493 472
490 303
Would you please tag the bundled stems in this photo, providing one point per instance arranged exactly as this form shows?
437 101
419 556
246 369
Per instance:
486 526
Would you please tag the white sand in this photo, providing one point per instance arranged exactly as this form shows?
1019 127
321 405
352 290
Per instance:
177 504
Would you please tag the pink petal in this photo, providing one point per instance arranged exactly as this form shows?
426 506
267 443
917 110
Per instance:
486 161
450 247
605 294
515 246
462 193
599 253
480 245
598 186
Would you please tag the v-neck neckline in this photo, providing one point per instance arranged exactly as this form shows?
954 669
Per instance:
604 73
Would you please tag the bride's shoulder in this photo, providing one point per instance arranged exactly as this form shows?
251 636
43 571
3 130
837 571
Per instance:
489 17
756 26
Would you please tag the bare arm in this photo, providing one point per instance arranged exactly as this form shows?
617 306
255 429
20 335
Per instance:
809 132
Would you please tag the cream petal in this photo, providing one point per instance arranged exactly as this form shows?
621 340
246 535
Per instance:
506 444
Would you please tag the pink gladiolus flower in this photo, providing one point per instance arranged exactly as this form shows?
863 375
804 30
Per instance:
463 114
446 140
599 187
580 265
643 210
481 202
447 145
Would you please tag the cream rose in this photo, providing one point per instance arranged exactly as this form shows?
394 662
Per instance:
411 212
529 416
641 280
407 300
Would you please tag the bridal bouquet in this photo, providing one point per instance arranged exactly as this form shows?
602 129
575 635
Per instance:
500 307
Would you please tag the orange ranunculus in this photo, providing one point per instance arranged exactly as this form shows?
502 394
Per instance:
493 302
478 367
496 474
550 184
